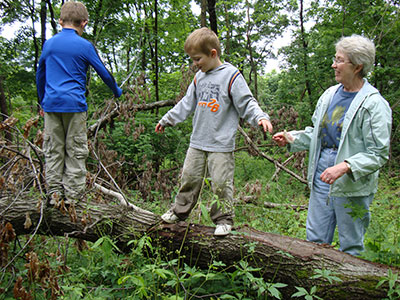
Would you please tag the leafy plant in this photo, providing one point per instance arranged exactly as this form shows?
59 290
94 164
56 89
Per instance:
394 287
308 295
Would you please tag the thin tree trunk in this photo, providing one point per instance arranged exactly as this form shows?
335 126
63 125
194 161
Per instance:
305 51
212 15
35 45
203 14
96 23
43 14
52 18
4 109
228 33
35 42
253 67
156 49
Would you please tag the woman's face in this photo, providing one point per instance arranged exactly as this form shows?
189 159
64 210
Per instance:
345 71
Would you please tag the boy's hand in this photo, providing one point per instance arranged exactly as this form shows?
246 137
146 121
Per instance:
266 125
160 128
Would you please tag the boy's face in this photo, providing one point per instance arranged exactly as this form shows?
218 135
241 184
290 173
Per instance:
203 61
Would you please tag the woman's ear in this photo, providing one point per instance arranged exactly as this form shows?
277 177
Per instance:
358 68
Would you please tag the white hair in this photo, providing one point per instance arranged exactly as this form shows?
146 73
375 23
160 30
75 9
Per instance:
360 50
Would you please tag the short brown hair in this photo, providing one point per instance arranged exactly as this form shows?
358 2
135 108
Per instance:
73 13
203 40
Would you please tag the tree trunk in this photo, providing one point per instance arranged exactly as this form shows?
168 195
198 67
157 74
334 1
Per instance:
156 51
43 14
4 110
203 14
52 18
305 53
253 67
32 14
282 259
228 33
212 15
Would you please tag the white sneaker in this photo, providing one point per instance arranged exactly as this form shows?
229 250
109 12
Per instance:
170 217
222 229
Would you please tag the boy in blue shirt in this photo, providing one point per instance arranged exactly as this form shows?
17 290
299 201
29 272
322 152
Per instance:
61 87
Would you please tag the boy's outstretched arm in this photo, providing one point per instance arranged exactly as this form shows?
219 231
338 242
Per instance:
266 125
159 128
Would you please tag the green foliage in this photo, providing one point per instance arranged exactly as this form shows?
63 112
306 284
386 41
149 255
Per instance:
326 274
308 295
392 281
318 274
162 149
100 272
252 179
382 240
357 211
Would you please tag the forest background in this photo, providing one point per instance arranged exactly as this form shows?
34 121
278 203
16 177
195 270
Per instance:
141 43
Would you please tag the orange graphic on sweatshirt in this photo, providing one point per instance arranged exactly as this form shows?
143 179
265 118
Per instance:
213 105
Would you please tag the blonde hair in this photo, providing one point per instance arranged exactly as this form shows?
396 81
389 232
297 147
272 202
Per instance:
73 13
360 50
203 40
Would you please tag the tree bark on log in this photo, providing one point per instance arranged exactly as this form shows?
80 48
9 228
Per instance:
282 259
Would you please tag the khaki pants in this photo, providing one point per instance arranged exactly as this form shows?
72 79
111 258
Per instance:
65 147
220 167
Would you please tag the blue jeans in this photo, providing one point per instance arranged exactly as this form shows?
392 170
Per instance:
325 212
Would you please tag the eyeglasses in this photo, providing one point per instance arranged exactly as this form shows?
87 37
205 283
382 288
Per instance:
339 61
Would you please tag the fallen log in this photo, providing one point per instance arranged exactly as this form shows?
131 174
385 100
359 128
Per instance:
281 258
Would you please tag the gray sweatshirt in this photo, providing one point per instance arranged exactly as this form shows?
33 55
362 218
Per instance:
216 113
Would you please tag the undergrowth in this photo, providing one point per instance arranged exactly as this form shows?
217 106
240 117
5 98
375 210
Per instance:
101 271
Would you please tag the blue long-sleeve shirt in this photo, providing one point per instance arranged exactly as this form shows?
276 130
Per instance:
61 75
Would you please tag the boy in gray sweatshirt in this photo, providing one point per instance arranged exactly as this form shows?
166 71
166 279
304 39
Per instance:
218 96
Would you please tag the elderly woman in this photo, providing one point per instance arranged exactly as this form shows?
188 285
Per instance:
348 143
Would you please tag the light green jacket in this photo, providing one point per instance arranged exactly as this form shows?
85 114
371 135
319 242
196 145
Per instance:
364 142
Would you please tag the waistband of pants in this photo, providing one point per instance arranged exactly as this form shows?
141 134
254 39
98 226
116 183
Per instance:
332 149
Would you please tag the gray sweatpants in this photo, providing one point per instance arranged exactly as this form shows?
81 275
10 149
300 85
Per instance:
65 147
220 167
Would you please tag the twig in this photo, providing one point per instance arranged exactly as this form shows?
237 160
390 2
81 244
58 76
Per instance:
284 205
262 154
120 197
17 152
115 112
284 164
